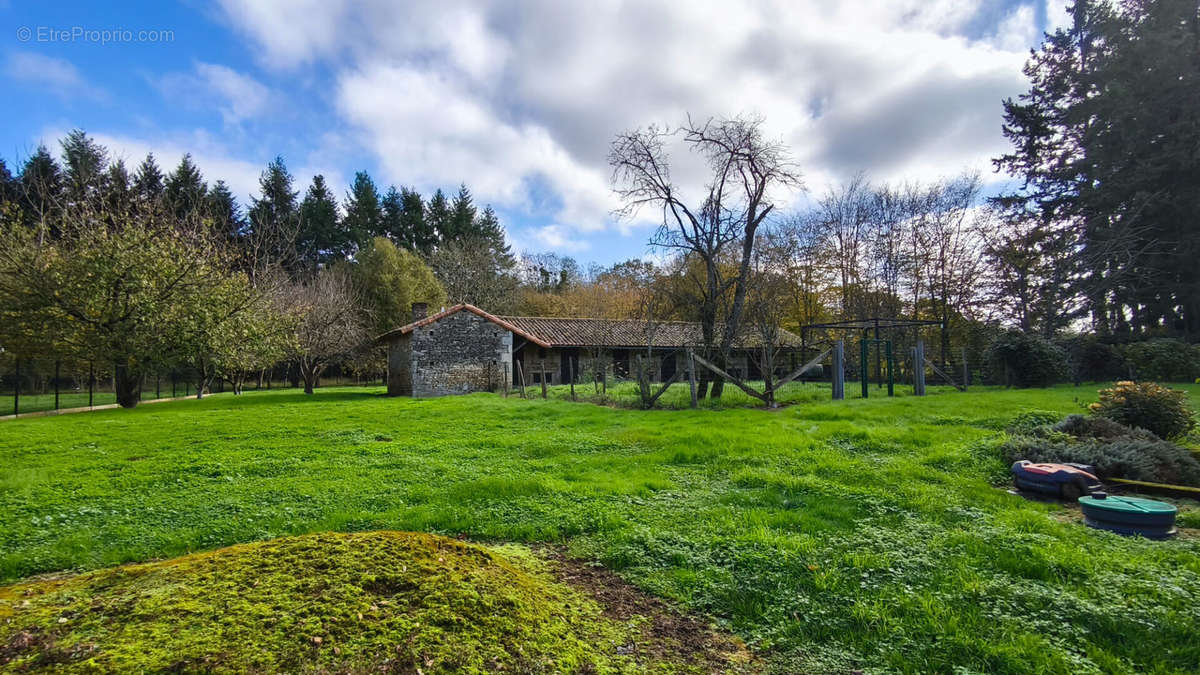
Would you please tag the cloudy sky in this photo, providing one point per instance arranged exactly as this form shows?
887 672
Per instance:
518 100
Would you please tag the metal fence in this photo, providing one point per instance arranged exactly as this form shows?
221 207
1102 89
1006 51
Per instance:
40 385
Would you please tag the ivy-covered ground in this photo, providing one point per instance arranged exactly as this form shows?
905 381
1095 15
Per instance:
831 536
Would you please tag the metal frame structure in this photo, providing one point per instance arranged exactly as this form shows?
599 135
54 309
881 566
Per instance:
877 325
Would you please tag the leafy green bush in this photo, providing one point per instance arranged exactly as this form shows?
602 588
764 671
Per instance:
1128 457
1022 360
1092 360
1161 411
1164 359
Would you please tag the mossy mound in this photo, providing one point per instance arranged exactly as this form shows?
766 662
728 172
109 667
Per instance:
390 601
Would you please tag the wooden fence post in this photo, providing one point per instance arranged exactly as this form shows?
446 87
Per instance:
919 368
966 370
521 374
692 378
571 371
542 367
839 370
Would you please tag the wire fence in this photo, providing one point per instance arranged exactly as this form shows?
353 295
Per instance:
43 385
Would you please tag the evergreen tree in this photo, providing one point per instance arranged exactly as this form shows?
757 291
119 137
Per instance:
274 218
462 216
1104 141
8 185
118 189
392 222
84 164
418 233
148 181
184 190
364 215
487 227
41 187
223 211
437 220
321 240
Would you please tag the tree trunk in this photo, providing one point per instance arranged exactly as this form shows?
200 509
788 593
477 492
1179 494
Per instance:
128 385
311 373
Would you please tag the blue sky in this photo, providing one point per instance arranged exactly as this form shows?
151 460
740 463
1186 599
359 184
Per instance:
518 100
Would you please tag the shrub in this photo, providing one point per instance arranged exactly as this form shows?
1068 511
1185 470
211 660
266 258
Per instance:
1163 359
1161 411
1018 359
1153 460
1092 360
1099 428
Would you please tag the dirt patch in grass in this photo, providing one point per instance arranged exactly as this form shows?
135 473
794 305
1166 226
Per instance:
365 602
666 633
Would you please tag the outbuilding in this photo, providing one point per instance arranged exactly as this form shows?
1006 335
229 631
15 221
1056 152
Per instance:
465 349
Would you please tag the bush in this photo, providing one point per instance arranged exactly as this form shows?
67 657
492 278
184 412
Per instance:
1018 359
1161 411
1164 359
1099 428
1092 360
1133 458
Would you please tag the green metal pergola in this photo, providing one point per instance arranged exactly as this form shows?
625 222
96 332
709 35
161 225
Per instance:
878 326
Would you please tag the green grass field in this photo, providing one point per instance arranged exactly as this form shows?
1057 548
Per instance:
862 534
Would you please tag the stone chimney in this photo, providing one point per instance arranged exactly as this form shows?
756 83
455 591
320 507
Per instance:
419 310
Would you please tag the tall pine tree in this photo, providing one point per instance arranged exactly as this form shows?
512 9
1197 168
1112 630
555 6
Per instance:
148 181
363 218
274 219
418 234
184 190
84 164
462 216
224 213
437 219
321 240
41 185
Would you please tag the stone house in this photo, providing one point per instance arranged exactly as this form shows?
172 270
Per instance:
465 349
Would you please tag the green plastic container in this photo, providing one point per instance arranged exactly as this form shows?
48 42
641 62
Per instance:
1132 516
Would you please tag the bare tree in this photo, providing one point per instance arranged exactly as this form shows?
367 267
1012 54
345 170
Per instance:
329 323
746 170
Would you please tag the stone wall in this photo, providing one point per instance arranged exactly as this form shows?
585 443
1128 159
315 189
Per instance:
399 357
461 353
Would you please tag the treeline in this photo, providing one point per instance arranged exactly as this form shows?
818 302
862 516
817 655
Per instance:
137 272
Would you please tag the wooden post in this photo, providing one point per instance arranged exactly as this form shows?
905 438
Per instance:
839 370
863 367
91 382
890 370
571 371
521 375
17 390
966 370
542 366
56 372
691 366
919 368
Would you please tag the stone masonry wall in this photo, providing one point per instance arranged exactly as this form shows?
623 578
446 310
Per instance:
459 354
400 366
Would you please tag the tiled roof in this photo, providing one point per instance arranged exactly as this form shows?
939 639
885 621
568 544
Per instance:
565 332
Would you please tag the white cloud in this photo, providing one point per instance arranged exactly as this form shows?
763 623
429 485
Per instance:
1058 15
52 74
521 102
1019 30
237 96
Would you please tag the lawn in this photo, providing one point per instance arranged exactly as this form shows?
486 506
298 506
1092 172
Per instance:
829 535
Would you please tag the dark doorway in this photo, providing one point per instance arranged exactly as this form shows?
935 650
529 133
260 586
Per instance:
620 362
568 364
668 367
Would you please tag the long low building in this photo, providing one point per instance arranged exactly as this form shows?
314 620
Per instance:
464 349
